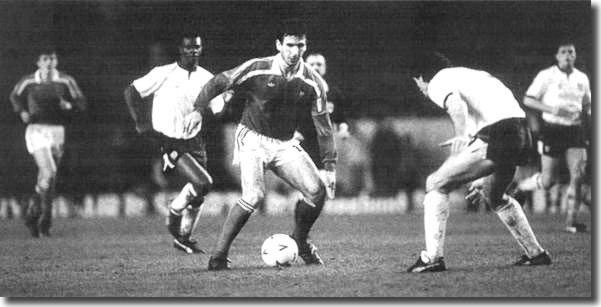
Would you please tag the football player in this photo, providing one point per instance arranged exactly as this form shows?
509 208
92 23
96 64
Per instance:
43 100
562 93
491 139
276 91
158 103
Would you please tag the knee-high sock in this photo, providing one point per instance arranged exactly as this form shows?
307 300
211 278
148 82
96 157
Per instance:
572 204
515 220
236 219
436 213
305 215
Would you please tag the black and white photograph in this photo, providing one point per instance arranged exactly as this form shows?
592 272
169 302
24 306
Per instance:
210 150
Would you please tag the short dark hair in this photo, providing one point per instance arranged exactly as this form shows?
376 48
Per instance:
564 42
431 62
188 34
291 27
46 50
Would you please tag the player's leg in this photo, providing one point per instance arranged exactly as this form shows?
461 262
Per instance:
47 170
185 208
252 180
464 167
295 167
512 215
576 162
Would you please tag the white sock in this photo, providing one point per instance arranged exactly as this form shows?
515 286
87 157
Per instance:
182 200
436 213
189 219
515 220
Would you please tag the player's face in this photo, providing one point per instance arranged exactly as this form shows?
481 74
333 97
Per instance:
45 61
292 48
54 58
318 63
190 48
566 56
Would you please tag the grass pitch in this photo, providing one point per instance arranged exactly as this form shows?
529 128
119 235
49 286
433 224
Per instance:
365 255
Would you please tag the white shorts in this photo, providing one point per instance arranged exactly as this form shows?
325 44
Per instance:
39 136
272 152
255 153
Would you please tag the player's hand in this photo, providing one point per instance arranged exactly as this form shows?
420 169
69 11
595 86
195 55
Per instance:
192 121
328 175
65 105
457 144
343 131
475 192
421 84
25 117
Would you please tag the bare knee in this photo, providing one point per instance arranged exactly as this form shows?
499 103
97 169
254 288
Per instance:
254 199
547 180
46 178
435 182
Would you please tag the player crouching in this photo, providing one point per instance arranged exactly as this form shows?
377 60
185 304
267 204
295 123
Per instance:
491 140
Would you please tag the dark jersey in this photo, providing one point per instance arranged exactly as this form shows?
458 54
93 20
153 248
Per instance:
273 104
310 143
41 98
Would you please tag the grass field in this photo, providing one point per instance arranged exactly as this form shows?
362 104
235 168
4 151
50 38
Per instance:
365 256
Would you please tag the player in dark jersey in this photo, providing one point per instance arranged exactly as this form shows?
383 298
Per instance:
276 91
43 100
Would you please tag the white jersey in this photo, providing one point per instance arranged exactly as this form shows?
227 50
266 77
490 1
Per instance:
175 90
556 88
488 99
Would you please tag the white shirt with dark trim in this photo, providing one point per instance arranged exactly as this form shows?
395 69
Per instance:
554 87
175 90
488 99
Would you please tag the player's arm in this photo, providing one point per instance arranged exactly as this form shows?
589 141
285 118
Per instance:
138 109
534 94
77 99
18 100
457 109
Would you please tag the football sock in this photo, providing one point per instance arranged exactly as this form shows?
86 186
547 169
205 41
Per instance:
515 220
572 205
236 219
305 216
189 219
436 213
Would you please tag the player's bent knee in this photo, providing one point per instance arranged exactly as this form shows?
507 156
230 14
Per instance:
547 181
45 181
254 199
435 182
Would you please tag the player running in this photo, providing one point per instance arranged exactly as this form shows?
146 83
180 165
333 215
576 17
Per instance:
491 139
44 100
158 103
562 93
276 91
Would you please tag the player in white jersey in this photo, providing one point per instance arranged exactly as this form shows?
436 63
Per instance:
491 139
562 93
158 103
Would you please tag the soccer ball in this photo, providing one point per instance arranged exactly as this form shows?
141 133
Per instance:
279 250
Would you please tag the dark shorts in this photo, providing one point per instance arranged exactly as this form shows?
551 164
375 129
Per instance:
509 141
557 139
194 146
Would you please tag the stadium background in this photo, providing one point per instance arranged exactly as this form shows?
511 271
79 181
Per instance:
370 47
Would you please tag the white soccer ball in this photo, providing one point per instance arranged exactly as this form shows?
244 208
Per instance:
279 250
